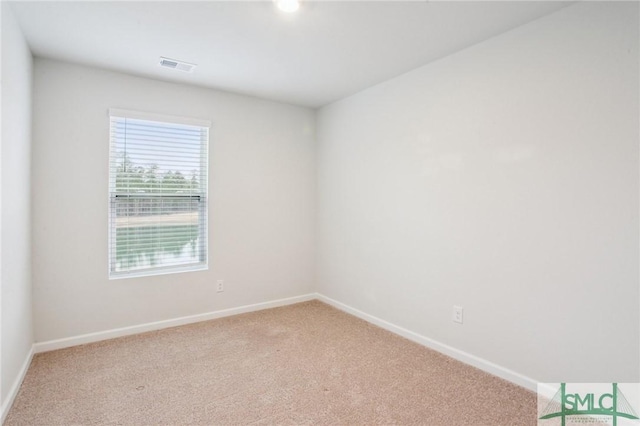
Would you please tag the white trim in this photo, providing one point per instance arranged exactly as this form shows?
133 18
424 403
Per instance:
457 354
176 119
467 358
548 390
13 392
166 270
159 325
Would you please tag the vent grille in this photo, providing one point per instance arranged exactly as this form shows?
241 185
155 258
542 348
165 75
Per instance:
176 65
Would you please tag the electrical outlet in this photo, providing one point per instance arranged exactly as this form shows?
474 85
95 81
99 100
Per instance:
220 287
457 314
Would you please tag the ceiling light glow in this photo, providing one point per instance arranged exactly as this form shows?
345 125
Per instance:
288 6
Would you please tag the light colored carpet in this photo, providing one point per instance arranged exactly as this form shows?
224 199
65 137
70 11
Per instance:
302 364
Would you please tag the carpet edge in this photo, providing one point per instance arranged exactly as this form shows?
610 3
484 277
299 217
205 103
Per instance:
460 355
457 354
15 388
82 339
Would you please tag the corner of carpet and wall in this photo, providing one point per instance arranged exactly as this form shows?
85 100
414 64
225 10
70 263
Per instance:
467 358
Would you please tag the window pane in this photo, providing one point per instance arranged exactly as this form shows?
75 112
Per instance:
158 195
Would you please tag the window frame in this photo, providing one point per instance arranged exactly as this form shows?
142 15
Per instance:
203 198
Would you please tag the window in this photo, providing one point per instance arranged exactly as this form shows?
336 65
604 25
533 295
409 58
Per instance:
157 194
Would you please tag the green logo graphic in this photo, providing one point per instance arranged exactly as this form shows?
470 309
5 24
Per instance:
613 405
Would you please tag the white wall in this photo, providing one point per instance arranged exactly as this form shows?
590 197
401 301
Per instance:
503 178
17 328
262 202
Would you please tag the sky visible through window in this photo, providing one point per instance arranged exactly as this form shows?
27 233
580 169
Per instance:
148 146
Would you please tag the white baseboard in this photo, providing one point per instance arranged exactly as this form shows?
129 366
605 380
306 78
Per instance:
13 392
158 325
467 358
457 354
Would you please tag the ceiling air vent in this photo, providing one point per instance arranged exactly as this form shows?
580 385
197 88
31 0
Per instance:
176 65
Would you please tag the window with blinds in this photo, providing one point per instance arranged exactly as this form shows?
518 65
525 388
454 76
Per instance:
157 194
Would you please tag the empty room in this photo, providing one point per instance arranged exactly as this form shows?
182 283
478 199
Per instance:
320 212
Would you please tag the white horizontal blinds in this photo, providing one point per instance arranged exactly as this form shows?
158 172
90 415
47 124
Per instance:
158 195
